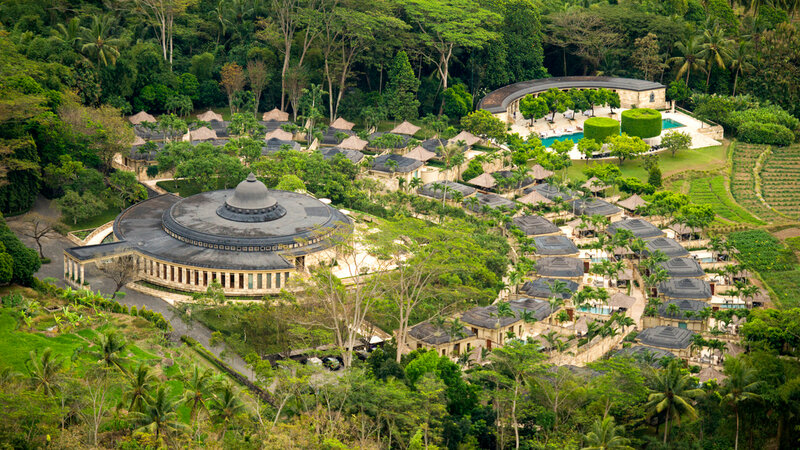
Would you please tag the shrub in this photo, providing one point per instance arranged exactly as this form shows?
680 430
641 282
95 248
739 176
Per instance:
765 133
641 122
767 114
474 168
634 185
599 128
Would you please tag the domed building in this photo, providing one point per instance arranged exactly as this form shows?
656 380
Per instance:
250 239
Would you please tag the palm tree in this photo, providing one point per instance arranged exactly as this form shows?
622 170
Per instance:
457 329
140 384
716 50
111 345
698 342
69 34
740 60
740 386
159 414
45 371
225 406
672 391
689 58
198 388
99 41
605 435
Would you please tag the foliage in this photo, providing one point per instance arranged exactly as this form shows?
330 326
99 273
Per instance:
626 147
765 133
600 129
483 123
24 261
641 122
674 141
762 252
401 89
457 101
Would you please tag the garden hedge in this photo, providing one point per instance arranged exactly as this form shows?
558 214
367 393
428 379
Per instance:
765 133
641 122
599 128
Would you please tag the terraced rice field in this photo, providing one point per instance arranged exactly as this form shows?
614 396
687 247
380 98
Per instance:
711 191
743 181
780 180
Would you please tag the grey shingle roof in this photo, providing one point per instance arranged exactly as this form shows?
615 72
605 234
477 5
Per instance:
535 225
404 165
549 191
636 350
669 247
554 245
498 100
486 316
666 337
274 145
684 305
692 288
682 268
492 201
428 191
329 153
559 267
540 288
639 227
329 136
431 334
594 206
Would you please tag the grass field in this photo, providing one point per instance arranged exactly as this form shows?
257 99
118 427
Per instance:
776 264
103 217
707 159
780 180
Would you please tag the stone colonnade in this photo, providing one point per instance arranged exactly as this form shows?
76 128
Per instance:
191 278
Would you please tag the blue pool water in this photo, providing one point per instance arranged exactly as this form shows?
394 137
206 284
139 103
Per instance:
596 309
666 124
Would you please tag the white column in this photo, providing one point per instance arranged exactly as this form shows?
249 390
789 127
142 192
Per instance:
70 268
66 267
82 277
236 277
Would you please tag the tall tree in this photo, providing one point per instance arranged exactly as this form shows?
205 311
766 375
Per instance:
99 42
742 385
161 15
646 56
690 57
347 32
673 391
447 25
258 76
401 90
232 80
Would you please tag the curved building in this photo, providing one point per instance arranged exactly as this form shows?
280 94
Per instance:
250 239
503 103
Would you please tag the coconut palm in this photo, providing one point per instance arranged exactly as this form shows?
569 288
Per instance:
69 33
741 385
159 414
741 56
457 329
99 41
140 383
224 407
698 342
8 376
199 384
111 346
45 370
689 57
715 50
672 392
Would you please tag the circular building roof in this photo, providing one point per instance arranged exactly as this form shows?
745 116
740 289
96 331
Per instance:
212 229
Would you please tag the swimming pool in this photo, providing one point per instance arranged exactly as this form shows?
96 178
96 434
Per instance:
666 124
606 310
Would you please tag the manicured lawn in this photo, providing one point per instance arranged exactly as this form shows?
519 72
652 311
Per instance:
709 158
103 217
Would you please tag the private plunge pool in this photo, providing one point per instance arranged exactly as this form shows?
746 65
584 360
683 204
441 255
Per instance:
666 124
605 310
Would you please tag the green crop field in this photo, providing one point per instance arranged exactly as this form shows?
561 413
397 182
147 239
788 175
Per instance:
711 191
743 181
780 180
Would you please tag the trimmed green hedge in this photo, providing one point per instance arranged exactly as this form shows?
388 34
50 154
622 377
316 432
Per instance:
641 122
599 128
765 133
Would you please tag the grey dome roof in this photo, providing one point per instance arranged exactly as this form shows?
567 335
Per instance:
251 194
251 202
